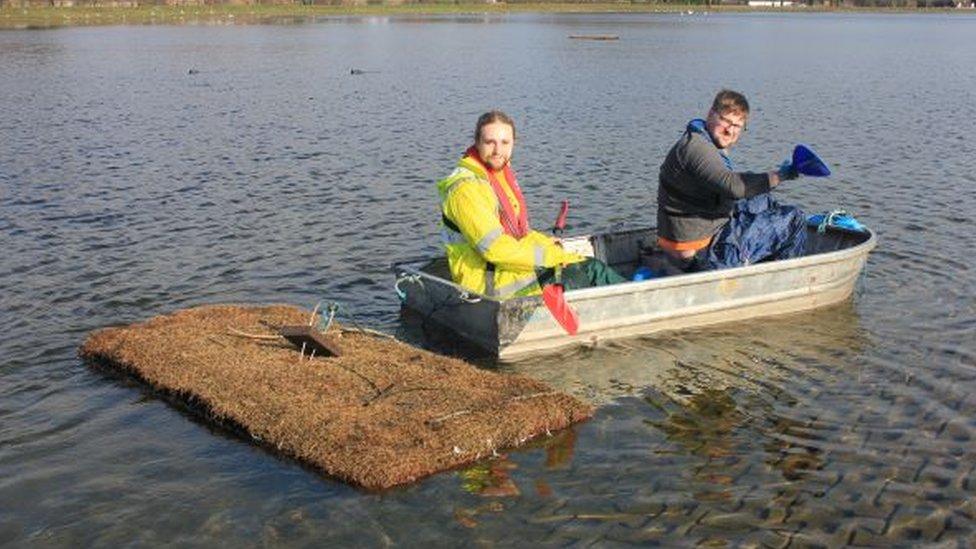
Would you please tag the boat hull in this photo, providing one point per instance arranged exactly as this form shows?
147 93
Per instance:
518 328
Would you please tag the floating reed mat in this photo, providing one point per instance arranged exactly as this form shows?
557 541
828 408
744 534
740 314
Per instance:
380 414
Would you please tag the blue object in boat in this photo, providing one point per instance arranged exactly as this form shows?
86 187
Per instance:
807 162
643 273
837 218
759 229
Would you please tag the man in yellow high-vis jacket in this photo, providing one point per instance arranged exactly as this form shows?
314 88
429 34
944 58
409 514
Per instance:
485 226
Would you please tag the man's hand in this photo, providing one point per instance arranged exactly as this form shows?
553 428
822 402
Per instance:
787 171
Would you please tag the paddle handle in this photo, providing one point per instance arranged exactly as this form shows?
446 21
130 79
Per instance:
552 294
560 224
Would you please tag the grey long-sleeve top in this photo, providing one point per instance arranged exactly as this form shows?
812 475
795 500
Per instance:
696 189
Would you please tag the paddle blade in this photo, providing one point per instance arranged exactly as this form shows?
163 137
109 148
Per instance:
555 300
808 163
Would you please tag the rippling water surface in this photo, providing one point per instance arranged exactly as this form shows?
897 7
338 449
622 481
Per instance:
148 169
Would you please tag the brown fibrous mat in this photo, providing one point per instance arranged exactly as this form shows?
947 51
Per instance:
382 414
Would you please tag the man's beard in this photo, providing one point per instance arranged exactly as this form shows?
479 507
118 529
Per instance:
501 165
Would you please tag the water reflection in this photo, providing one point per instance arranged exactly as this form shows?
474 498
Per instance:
490 478
493 477
715 426
704 427
766 355
730 402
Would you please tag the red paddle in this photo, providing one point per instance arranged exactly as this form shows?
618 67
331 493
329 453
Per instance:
555 300
553 294
557 229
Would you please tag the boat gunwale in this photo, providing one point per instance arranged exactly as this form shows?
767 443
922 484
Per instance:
414 267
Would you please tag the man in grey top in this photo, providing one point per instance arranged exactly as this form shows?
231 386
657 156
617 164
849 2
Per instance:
698 188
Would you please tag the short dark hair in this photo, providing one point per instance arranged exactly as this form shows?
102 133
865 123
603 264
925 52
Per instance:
730 101
491 117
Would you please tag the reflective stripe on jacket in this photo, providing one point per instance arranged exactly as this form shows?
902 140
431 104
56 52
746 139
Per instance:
474 236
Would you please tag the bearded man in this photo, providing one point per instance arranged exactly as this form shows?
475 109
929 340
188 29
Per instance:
485 225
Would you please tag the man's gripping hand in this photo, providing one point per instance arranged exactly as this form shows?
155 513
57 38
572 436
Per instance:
787 171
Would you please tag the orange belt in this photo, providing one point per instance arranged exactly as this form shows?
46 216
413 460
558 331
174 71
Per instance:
684 246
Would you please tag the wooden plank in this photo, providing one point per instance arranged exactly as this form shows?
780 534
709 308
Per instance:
308 338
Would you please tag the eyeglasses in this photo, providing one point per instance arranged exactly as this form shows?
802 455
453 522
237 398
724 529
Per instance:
731 125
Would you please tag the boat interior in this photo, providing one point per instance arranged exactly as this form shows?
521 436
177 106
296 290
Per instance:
628 251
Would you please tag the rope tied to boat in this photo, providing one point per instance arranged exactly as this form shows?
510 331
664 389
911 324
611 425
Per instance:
415 278
829 219
412 278
836 219
466 297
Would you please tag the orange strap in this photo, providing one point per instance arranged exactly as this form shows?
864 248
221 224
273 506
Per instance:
684 246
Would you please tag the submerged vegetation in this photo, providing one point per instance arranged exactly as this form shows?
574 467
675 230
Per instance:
36 17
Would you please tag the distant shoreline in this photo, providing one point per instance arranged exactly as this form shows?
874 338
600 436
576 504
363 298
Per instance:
45 17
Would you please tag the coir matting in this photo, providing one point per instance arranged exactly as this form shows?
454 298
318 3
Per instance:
383 413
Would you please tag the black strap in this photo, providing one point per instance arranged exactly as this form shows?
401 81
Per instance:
449 224
489 279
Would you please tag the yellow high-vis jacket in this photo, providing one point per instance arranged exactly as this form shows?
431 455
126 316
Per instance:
477 243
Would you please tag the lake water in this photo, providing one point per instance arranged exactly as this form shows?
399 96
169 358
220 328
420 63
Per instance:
146 169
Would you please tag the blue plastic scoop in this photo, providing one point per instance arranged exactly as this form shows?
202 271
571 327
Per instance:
808 163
